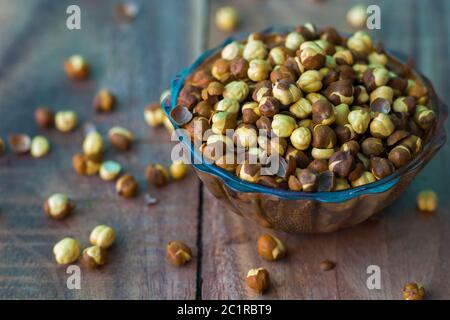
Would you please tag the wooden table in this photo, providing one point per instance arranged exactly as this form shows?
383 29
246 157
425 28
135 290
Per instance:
136 61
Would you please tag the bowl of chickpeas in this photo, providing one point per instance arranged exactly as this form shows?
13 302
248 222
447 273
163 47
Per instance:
303 129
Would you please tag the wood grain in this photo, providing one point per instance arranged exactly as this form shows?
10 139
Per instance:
406 245
136 62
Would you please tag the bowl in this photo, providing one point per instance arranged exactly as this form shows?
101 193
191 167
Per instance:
302 212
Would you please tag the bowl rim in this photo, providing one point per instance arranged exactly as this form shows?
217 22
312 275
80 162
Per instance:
436 140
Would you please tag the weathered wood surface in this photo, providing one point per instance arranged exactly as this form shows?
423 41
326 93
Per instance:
136 61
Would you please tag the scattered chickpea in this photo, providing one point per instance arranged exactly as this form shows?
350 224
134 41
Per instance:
66 120
93 257
270 247
120 138
110 170
84 166
127 11
127 186
102 236
413 291
258 280
178 253
2 147
66 251
327 265
157 174
427 201
178 170
19 143
76 67
154 114
39 146
227 18
44 117
58 206
357 16
104 101
93 145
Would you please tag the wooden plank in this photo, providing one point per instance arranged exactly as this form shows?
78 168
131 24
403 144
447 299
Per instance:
424 238
406 245
136 62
